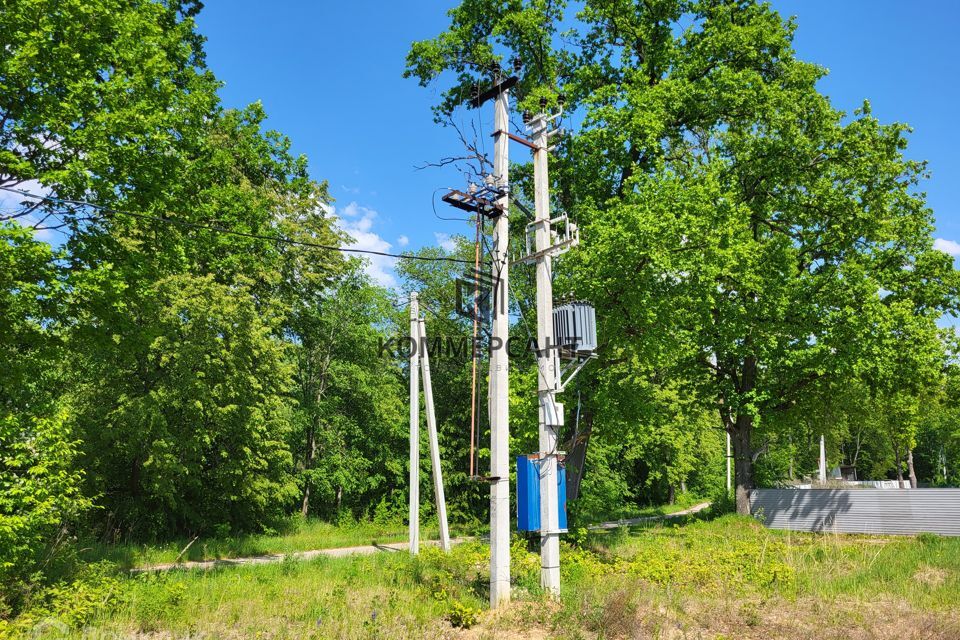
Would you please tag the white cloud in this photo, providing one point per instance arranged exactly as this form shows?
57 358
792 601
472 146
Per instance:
353 210
947 246
445 241
403 241
357 221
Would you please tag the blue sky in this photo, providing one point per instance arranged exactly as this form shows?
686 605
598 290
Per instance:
330 76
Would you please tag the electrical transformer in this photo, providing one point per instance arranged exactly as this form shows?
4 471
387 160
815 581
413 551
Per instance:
575 328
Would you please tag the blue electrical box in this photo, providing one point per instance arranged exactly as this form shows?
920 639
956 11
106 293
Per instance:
562 497
528 494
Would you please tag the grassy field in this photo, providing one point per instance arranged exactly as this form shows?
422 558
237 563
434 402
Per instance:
298 535
731 578
628 512
723 579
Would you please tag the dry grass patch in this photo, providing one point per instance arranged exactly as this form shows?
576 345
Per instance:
931 576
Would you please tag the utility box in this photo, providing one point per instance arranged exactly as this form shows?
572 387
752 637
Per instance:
528 494
575 329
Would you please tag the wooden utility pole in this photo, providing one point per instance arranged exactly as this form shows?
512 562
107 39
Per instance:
434 443
414 516
499 363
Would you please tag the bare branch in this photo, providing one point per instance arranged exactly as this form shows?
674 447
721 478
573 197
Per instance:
473 163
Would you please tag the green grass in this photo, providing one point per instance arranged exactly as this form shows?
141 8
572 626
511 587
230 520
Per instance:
733 554
720 578
924 571
358 597
729 577
299 535
629 511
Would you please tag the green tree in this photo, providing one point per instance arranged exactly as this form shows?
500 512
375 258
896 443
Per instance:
451 369
349 433
904 378
736 227
111 103
40 484
41 501
938 434
28 301
98 95
184 425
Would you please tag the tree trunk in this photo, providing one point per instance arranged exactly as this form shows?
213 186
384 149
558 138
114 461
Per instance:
899 460
911 470
309 458
671 495
339 498
742 462
305 505
791 458
683 486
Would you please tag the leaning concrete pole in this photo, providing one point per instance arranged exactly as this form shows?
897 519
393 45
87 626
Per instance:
499 374
434 443
551 418
415 346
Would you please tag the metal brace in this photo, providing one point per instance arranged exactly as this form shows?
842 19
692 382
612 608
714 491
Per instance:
581 362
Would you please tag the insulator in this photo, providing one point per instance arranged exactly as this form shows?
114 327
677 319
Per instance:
561 100
526 117
543 104
517 65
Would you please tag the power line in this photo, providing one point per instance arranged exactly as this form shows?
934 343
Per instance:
225 230
433 203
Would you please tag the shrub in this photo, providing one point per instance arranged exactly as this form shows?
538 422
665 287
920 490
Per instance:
463 615
67 603
40 499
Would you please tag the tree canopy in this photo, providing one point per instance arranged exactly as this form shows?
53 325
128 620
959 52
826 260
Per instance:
195 354
742 238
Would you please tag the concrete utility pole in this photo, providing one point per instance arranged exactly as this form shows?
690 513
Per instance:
434 444
550 418
823 461
414 517
728 463
499 373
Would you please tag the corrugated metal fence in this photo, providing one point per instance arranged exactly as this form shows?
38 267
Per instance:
878 511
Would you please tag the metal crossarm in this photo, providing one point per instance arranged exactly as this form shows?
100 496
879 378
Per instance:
482 202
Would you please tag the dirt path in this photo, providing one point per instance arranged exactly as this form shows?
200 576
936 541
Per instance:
337 552
621 523
341 552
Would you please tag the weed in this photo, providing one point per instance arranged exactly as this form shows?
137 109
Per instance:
462 615
727 577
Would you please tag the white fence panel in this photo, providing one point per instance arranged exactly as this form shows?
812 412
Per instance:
876 511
